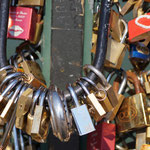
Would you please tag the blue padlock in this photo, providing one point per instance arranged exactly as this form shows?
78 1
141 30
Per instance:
139 56
140 51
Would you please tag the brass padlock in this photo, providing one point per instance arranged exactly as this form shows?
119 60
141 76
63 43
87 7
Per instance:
116 50
100 95
146 82
133 111
38 30
33 71
31 2
30 115
128 6
97 111
109 89
112 114
138 9
41 120
23 107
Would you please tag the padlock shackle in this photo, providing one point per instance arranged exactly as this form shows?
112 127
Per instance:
74 96
90 82
35 99
42 97
16 93
132 76
97 73
83 87
118 82
10 87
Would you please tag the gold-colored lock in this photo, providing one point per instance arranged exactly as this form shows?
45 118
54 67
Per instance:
95 108
33 71
41 121
146 82
112 114
128 6
38 30
115 50
30 2
23 106
103 99
30 115
138 9
133 111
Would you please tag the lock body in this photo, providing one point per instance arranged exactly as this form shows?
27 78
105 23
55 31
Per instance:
23 106
22 23
140 24
40 124
31 3
102 138
132 113
33 70
79 114
98 111
115 54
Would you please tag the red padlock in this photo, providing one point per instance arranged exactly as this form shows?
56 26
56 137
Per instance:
139 28
103 138
22 23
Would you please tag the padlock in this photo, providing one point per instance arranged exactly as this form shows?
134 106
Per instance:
103 138
33 71
31 3
79 114
146 82
115 26
6 113
116 50
100 94
138 9
23 106
30 114
139 56
128 6
140 24
109 89
41 120
98 111
22 23
59 118
112 114
133 111
38 30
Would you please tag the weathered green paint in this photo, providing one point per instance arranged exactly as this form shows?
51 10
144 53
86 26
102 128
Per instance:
88 24
46 42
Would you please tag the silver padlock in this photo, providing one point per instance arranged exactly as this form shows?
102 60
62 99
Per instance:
81 115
